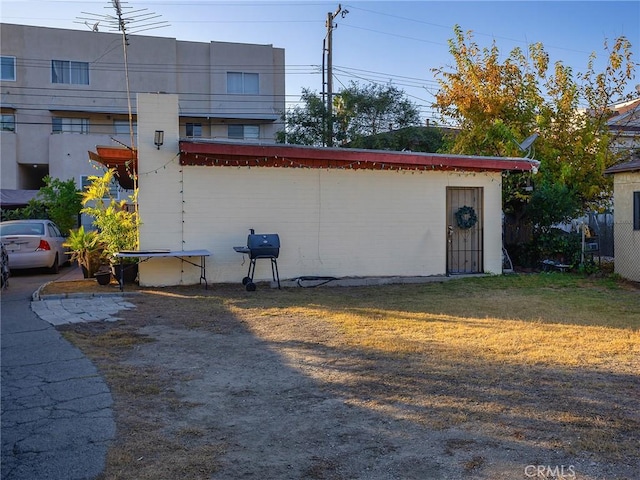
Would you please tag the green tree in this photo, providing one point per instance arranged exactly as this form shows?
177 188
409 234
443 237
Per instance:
362 111
305 125
358 111
499 101
62 201
58 201
414 139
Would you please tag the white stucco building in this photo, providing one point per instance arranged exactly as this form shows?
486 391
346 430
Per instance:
338 212
65 91
626 228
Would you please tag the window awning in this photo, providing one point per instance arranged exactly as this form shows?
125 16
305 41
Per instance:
16 198
124 160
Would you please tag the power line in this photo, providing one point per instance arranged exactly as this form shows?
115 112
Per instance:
449 28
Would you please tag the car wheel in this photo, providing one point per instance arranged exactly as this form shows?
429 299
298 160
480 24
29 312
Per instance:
55 268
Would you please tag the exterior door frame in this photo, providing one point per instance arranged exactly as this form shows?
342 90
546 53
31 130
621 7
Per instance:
465 230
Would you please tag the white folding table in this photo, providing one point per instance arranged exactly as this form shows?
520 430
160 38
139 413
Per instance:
184 255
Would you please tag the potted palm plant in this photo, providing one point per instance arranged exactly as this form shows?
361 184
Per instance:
86 248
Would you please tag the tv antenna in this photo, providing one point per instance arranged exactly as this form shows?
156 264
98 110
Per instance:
133 21
93 28
127 22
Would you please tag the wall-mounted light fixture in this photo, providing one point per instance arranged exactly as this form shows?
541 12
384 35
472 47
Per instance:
158 138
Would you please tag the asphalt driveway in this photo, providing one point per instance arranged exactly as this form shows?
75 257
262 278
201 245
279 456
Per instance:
57 420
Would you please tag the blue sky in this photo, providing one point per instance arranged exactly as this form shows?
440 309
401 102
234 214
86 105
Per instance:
382 41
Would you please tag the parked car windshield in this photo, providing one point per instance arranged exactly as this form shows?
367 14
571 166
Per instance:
22 229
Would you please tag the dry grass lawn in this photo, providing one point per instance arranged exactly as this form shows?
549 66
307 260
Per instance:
546 363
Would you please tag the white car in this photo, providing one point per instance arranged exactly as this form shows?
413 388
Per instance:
34 244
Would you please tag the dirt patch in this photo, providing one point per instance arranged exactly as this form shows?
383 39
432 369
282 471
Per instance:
227 389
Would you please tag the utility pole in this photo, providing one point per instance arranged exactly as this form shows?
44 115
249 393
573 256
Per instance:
328 52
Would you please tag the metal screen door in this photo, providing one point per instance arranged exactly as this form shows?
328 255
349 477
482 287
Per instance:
465 214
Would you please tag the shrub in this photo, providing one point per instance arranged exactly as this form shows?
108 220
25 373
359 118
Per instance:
556 244
58 201
117 226
86 249
62 201
34 209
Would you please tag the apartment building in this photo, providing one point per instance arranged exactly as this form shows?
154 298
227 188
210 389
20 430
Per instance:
624 125
65 91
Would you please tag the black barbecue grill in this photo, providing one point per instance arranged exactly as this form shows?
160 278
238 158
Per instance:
260 245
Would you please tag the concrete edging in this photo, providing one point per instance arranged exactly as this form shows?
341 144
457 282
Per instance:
37 295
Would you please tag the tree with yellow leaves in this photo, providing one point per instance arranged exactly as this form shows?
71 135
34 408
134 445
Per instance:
496 103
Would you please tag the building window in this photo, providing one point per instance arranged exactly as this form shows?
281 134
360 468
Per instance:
72 73
636 210
70 125
194 129
7 68
114 188
244 131
240 82
121 127
8 122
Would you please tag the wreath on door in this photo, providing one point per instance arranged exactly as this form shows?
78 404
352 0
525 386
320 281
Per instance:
466 217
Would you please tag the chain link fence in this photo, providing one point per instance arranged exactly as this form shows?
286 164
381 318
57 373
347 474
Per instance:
627 251
598 241
609 240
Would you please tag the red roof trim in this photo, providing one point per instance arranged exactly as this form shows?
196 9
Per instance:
278 155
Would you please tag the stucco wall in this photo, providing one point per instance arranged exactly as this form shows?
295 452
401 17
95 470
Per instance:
71 159
156 64
331 222
626 239
9 167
